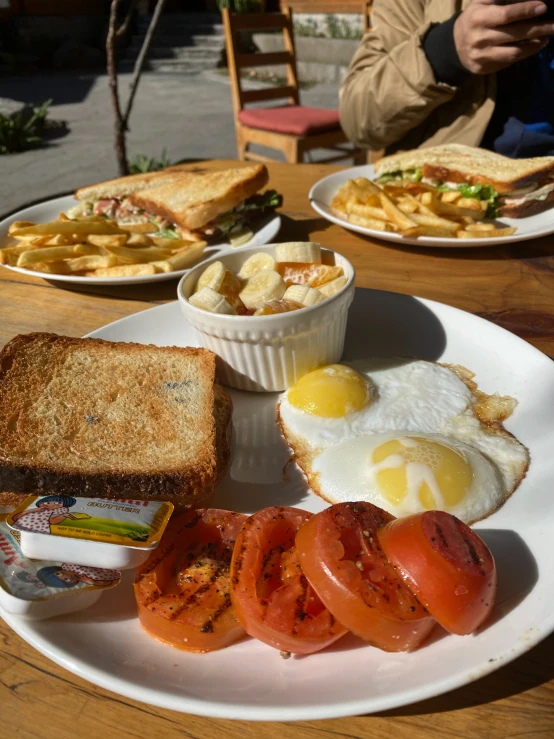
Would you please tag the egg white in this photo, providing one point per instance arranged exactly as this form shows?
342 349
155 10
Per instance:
344 473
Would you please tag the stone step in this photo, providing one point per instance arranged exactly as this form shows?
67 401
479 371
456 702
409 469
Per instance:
207 28
204 42
177 52
175 66
189 18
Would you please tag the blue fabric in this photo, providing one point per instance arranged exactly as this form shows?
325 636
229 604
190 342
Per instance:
523 120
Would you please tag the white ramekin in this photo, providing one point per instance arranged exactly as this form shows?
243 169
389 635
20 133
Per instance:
269 353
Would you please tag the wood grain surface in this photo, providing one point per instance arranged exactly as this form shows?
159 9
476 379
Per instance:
512 286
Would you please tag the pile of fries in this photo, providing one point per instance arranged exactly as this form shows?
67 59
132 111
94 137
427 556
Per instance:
92 246
414 209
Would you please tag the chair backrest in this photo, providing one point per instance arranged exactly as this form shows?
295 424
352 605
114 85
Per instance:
331 7
237 61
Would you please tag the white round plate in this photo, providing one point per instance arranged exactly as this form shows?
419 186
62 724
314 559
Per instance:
49 210
248 680
325 189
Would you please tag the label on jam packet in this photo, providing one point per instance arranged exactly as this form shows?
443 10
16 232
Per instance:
33 580
133 523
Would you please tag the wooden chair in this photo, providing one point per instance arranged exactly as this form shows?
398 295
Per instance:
291 128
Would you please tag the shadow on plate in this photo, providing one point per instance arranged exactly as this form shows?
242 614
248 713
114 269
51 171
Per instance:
392 325
516 568
529 671
300 230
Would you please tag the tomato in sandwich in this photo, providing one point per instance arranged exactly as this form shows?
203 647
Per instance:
447 566
182 590
340 555
272 598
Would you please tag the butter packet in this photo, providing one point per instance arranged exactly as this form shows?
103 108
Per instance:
90 531
43 589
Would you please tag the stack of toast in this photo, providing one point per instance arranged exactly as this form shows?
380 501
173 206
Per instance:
87 417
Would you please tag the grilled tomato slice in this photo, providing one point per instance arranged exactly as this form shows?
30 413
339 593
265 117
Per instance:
272 598
446 565
340 555
182 590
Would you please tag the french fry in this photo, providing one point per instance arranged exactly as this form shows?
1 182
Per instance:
68 227
171 244
126 270
438 233
107 240
451 196
86 250
480 227
17 225
135 239
59 240
136 254
436 222
183 259
486 234
10 254
400 220
63 217
48 254
371 223
368 211
51 268
470 204
82 264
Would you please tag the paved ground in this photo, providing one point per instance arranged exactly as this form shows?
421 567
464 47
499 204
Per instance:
190 116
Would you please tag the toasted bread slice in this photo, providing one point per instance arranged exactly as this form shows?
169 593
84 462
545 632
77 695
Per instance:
121 187
459 163
195 198
98 418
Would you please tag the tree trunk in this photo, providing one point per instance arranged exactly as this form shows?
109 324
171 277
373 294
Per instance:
119 127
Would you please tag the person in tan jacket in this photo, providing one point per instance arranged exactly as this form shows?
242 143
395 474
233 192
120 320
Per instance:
436 71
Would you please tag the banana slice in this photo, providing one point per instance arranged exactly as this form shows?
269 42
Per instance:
256 263
212 276
298 251
261 288
303 294
332 287
211 301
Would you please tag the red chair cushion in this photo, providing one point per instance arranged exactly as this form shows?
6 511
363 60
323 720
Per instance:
296 120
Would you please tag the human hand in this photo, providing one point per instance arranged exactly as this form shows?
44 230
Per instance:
490 37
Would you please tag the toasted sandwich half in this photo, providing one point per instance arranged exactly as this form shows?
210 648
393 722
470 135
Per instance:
179 203
110 198
205 205
513 188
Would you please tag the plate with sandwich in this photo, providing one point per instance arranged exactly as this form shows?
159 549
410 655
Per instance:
142 228
444 196
137 408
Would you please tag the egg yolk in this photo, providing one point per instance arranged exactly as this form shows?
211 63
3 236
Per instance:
330 392
409 469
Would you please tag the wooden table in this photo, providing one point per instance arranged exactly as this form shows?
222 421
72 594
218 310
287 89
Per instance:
512 286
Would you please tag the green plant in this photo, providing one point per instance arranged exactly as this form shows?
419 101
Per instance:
334 28
18 134
341 28
141 163
307 28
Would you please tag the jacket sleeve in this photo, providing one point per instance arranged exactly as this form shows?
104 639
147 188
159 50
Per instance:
390 87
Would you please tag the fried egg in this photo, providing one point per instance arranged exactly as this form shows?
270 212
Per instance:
405 435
